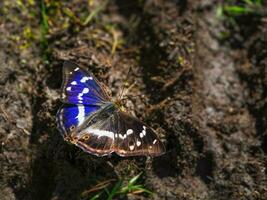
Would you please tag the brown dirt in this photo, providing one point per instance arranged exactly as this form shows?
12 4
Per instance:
204 94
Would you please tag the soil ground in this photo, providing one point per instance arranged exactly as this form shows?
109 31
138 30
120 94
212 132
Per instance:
201 83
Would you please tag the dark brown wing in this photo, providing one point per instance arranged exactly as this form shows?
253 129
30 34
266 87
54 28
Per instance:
97 135
134 138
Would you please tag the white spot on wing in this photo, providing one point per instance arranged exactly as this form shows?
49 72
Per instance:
86 78
131 147
73 83
154 142
76 69
80 96
138 143
144 132
129 132
68 88
122 136
85 90
81 114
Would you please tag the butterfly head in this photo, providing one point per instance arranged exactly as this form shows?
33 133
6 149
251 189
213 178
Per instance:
120 103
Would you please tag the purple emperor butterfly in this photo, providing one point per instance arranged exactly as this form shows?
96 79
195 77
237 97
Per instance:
91 121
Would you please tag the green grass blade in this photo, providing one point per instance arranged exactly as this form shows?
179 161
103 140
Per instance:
95 12
97 196
134 179
114 190
236 10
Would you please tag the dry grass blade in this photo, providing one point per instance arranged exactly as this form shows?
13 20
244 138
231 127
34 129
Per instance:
98 187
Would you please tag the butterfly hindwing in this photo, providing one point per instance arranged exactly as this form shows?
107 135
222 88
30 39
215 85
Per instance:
80 86
98 138
120 133
71 116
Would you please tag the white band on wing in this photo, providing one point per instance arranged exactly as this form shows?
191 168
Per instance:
99 133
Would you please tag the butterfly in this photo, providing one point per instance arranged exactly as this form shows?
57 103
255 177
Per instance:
90 120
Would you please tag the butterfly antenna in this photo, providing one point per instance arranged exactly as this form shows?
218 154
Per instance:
124 84
126 96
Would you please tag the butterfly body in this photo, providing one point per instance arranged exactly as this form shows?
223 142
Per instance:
91 121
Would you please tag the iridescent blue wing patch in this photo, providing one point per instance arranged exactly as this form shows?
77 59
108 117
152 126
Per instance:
69 117
80 86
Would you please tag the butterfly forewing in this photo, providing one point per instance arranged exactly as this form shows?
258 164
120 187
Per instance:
80 86
82 95
134 138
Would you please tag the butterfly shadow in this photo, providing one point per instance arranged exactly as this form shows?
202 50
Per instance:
63 171
165 165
